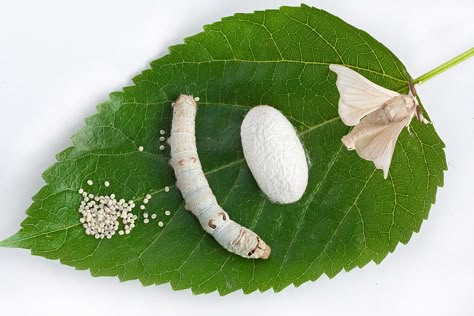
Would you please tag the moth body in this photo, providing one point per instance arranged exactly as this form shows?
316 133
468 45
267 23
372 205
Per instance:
400 108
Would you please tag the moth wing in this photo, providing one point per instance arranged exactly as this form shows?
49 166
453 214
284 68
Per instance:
358 95
378 146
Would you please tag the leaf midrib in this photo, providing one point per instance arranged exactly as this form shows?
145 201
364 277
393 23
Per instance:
285 61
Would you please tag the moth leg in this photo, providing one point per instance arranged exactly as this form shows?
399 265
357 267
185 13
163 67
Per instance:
419 116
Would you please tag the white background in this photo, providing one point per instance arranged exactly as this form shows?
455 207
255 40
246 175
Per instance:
58 60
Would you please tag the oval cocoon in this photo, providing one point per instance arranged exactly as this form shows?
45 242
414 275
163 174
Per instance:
274 154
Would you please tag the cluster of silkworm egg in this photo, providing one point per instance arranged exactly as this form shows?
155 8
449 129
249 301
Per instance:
101 215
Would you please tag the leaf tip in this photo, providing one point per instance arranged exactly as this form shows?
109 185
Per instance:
10 242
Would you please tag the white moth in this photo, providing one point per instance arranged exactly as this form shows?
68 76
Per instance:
274 154
378 114
197 194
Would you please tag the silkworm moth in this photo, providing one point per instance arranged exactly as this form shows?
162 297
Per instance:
378 114
197 195
274 154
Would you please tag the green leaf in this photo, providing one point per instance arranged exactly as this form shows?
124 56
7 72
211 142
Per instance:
349 215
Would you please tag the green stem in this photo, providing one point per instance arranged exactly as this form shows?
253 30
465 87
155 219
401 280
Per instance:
450 63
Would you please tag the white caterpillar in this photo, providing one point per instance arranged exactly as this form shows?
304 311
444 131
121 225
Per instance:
197 194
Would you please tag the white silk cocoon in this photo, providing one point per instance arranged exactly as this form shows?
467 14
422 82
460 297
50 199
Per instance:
274 154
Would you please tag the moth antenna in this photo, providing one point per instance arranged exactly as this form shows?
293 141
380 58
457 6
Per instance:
412 86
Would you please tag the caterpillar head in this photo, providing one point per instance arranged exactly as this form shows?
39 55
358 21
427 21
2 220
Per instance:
236 238
251 246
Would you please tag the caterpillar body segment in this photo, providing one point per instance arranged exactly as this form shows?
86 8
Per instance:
197 194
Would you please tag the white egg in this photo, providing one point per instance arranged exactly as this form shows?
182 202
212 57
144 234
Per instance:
274 154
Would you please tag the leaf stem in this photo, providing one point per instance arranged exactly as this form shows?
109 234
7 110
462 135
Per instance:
443 67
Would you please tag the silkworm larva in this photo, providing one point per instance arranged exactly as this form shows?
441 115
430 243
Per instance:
197 194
